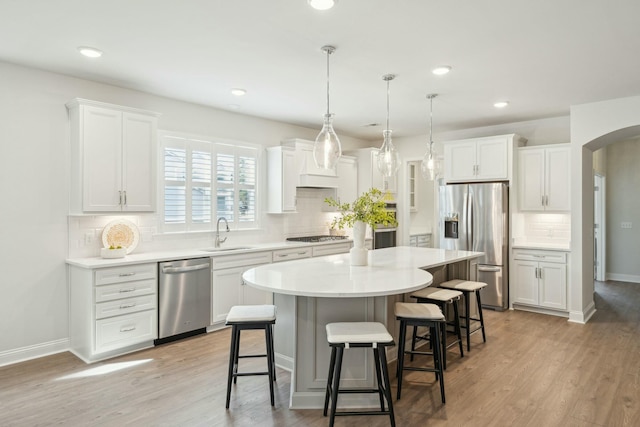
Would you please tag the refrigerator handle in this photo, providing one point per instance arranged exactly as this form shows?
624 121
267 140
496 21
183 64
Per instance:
469 221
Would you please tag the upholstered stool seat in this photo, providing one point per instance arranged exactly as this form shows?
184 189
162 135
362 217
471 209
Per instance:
428 315
345 335
468 287
441 297
244 317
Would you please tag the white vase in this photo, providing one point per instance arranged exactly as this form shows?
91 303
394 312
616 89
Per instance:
358 254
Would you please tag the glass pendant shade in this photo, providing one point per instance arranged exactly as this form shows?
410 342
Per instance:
388 157
428 165
327 150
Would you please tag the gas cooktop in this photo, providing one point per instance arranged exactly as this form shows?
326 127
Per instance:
314 239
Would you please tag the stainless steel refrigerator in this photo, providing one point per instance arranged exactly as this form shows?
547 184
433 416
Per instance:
475 217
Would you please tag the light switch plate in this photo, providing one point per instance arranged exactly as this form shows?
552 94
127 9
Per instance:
625 225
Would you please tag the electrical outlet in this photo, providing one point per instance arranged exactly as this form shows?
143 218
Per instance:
625 225
89 238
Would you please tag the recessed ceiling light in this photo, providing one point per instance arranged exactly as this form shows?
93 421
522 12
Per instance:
322 4
441 70
501 104
90 52
238 91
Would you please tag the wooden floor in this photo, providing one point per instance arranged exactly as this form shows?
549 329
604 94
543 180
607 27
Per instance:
534 370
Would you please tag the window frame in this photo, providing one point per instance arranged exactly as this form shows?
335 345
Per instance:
214 146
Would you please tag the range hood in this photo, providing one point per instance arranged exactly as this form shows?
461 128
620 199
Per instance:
317 181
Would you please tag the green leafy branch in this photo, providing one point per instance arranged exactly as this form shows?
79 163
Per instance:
368 208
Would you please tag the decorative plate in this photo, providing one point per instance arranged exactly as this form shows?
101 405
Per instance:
121 233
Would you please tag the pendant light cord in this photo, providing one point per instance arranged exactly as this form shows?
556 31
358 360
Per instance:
388 80
431 126
328 53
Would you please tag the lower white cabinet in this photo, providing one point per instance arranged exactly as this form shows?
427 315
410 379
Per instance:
113 310
228 289
420 240
336 248
540 279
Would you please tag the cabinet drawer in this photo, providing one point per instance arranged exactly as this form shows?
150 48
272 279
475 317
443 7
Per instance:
545 256
121 331
128 273
126 290
126 306
240 260
424 239
289 254
339 248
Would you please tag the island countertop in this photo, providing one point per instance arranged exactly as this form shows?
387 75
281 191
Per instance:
390 271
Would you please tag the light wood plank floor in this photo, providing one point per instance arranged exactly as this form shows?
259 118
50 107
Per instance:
534 370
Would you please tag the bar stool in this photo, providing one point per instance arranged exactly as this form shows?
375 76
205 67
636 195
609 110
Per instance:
345 335
467 287
441 297
429 315
244 317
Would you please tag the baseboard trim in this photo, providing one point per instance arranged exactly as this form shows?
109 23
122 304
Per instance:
633 278
17 355
583 317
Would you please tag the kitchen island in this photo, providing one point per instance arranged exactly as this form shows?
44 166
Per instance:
312 292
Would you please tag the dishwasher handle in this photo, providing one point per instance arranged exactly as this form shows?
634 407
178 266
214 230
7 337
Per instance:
172 270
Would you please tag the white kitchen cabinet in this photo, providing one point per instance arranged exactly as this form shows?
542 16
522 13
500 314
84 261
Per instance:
228 288
292 253
544 175
113 310
332 249
113 158
368 174
422 240
479 159
540 279
347 190
412 185
282 179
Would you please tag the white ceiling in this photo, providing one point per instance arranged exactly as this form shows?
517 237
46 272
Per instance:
542 56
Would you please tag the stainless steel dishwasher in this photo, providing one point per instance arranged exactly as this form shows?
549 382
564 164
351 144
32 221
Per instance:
184 298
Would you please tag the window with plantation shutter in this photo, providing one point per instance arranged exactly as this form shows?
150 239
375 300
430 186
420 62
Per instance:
203 180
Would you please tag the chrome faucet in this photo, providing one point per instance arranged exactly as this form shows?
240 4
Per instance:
218 239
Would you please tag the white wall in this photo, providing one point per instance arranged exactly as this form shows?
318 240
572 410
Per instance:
623 182
593 126
34 173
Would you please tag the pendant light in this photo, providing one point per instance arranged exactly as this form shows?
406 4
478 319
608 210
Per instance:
388 157
327 149
428 165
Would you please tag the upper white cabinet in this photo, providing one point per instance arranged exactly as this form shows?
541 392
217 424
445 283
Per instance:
368 174
282 178
113 156
347 190
544 178
479 159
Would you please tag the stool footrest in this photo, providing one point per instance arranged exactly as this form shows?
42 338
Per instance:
349 413
252 355
246 374
359 390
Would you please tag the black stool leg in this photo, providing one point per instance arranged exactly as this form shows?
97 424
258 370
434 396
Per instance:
400 367
467 323
232 360
336 385
414 336
376 357
484 337
267 338
387 385
437 352
456 314
328 393
236 353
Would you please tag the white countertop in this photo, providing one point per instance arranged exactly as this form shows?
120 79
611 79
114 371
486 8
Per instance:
560 246
390 271
140 258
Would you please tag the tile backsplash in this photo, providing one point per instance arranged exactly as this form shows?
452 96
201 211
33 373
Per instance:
312 218
542 227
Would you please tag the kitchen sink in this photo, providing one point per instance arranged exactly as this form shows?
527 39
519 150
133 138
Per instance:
228 249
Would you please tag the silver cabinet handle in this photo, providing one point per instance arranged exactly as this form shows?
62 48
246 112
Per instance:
489 269
125 196
123 306
128 329
126 274
302 253
127 290
169 269
120 197
283 255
